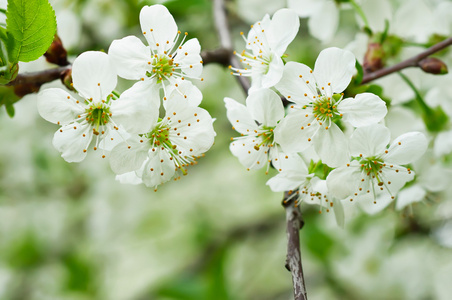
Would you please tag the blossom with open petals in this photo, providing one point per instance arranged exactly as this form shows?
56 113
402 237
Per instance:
95 113
166 148
266 42
256 122
319 104
375 172
165 60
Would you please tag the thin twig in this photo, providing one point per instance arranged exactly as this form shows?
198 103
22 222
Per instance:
40 77
411 62
221 23
293 259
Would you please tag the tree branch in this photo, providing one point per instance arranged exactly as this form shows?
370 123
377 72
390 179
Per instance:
40 77
411 62
293 259
221 23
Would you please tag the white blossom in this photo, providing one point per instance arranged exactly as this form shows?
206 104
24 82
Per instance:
319 105
165 61
95 113
266 42
256 123
166 148
375 173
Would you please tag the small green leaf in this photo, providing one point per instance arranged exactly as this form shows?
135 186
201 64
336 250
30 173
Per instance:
360 74
31 26
10 110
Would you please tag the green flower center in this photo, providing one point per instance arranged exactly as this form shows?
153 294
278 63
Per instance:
324 109
267 137
162 66
98 115
372 166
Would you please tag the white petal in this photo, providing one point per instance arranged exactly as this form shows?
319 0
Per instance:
72 141
294 87
372 205
158 169
93 75
344 181
137 109
334 66
364 109
239 116
323 23
305 8
189 58
128 156
290 136
274 72
113 137
57 106
288 161
248 156
129 178
130 57
406 148
331 146
188 91
158 27
436 178
377 12
369 140
265 107
412 194
398 176
443 143
282 30
339 212
288 180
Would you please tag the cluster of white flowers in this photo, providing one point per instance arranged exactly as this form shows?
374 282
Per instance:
326 147
143 146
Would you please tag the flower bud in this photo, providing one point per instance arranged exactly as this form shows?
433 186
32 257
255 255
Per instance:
433 65
374 58
66 79
56 54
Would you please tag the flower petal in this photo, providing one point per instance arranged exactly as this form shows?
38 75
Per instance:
130 57
158 27
364 109
137 109
412 194
274 72
248 156
331 146
369 140
323 22
336 67
93 75
344 181
443 143
129 178
239 116
189 58
128 156
297 83
305 8
265 107
73 141
57 106
290 136
406 148
158 169
288 180
282 30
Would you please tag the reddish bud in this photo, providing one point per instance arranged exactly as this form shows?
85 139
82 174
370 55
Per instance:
374 58
66 79
56 54
433 65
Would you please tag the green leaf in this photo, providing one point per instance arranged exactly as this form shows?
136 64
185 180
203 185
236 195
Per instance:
10 110
360 74
31 26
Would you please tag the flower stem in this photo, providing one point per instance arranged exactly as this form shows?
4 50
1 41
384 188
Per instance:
419 99
360 12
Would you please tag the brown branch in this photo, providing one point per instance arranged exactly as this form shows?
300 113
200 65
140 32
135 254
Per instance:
40 77
411 62
293 259
221 23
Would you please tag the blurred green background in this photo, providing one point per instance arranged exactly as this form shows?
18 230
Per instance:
71 232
